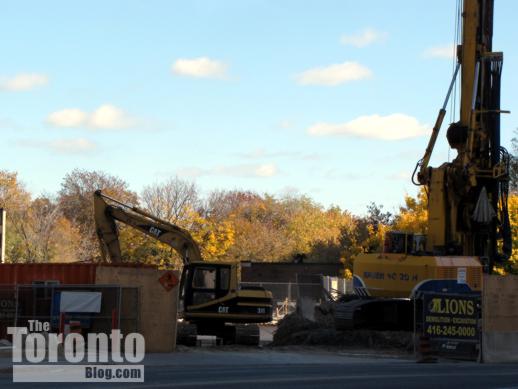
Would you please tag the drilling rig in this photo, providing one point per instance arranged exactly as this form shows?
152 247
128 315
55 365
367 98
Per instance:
468 222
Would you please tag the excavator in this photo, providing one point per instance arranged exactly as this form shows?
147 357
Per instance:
468 229
212 302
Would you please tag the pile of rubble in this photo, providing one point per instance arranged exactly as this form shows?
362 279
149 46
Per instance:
294 329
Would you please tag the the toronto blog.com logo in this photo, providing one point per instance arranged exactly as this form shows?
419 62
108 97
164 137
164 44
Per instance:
42 356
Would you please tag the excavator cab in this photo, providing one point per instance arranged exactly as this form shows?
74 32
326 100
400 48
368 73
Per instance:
210 292
204 282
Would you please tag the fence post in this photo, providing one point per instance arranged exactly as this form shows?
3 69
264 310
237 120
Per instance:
62 323
119 303
114 320
16 300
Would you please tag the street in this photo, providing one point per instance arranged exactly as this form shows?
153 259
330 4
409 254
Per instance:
304 368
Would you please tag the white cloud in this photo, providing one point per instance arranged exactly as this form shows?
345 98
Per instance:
192 172
289 191
72 146
363 38
262 154
334 74
402 175
340 174
267 170
443 52
8 124
247 171
70 117
285 124
63 146
23 82
391 127
202 67
106 116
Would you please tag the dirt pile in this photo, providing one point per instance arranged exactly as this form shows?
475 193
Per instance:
325 314
293 329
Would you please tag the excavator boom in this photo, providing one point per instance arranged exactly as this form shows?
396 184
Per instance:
106 214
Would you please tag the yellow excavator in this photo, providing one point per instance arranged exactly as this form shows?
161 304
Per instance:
468 222
212 301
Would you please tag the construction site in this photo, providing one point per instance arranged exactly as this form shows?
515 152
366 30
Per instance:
175 286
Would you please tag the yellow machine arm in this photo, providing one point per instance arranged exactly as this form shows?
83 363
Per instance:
422 166
467 203
106 214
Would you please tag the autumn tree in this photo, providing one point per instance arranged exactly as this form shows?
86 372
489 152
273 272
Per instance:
373 226
214 237
171 200
222 204
376 217
280 229
328 245
413 216
512 265
76 202
513 205
15 200
42 216
513 215
176 201
514 164
65 241
36 230
315 231
259 224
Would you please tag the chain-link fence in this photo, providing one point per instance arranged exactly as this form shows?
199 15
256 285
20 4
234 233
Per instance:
286 294
308 290
7 309
119 307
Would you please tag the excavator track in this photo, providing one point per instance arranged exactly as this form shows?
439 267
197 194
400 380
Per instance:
374 314
186 334
247 334
242 334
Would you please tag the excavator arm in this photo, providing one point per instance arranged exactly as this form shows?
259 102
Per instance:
106 214
467 197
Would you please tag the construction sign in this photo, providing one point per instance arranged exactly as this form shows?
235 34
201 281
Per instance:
451 322
451 316
168 280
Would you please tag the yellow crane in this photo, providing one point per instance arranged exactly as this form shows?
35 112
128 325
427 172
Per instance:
467 198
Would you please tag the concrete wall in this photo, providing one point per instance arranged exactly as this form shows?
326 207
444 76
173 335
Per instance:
500 319
157 306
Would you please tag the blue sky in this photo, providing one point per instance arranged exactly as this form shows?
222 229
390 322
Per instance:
333 99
